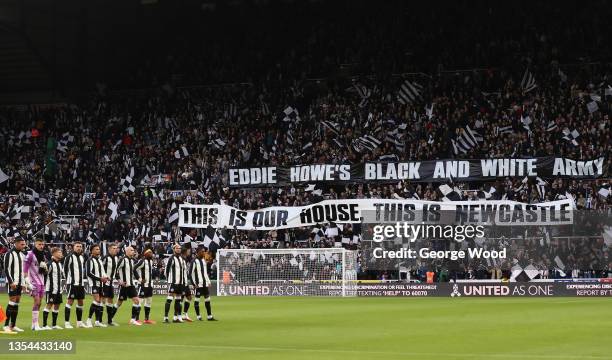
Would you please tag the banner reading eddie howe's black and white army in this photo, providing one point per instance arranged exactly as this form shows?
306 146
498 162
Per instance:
420 171
499 212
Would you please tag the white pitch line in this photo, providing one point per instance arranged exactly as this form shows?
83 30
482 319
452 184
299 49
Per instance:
340 351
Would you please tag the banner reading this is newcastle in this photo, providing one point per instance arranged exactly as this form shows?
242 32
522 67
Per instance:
419 171
500 212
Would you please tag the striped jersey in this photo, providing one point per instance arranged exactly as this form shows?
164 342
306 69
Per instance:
125 271
74 269
176 270
144 271
198 274
110 266
53 281
13 266
95 271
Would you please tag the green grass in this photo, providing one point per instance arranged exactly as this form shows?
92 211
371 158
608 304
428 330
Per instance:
354 328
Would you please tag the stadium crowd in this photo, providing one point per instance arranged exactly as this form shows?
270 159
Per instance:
177 142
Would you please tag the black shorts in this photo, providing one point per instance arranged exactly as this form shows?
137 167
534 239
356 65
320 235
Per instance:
127 292
54 299
145 292
97 290
186 291
202 291
76 292
176 289
108 291
16 291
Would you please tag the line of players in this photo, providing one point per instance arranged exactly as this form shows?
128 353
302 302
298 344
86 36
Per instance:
32 273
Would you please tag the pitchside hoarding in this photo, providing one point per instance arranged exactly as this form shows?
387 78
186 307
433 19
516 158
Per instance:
552 288
592 288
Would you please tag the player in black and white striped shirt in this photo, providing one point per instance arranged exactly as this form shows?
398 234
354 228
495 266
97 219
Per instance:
144 271
127 283
198 275
175 276
97 278
74 269
110 267
16 282
53 288
187 294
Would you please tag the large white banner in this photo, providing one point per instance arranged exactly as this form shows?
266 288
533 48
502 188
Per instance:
499 212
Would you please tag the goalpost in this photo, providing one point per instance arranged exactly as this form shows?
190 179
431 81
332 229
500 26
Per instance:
287 272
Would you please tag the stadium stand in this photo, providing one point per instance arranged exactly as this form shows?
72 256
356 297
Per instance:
166 126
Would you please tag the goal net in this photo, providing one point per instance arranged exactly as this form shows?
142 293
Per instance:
287 272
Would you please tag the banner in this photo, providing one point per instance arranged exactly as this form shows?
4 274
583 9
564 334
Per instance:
502 212
419 171
451 290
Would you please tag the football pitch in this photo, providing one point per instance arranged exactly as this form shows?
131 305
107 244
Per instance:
351 328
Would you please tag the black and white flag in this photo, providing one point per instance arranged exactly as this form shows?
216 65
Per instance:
170 123
571 136
292 115
363 92
541 187
410 92
216 143
35 198
500 130
181 153
3 176
65 141
526 121
332 126
212 239
592 106
290 137
231 111
173 216
18 211
368 142
467 140
126 183
604 191
450 193
429 111
265 109
92 237
395 137
111 210
528 82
